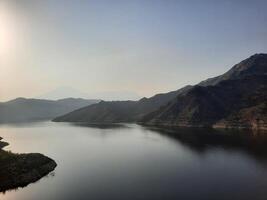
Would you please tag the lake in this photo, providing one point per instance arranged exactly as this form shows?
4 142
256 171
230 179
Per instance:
131 162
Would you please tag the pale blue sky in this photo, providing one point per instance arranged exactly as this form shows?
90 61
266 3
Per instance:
146 46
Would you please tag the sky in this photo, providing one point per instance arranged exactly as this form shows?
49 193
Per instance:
140 47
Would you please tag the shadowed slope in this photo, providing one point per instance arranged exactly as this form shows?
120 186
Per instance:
240 103
237 99
205 104
120 111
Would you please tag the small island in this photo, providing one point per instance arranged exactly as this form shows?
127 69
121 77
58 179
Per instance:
19 170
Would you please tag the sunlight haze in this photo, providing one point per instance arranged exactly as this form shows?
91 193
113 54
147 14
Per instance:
106 46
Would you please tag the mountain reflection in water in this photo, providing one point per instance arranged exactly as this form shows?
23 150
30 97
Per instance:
128 161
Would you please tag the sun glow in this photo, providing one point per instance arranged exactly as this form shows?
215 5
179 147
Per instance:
8 46
7 32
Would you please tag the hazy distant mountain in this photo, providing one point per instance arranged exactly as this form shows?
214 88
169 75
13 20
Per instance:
62 93
22 109
68 92
234 99
120 111
237 99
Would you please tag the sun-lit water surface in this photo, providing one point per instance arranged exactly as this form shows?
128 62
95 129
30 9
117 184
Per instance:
132 162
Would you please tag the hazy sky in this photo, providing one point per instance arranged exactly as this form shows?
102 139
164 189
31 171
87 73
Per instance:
145 46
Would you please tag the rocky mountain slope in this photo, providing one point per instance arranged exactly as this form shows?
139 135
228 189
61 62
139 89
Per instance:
230 100
239 103
120 111
254 65
236 99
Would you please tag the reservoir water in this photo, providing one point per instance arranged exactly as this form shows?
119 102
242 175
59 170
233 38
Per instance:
131 162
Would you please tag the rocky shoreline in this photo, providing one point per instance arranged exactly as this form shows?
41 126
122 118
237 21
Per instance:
19 170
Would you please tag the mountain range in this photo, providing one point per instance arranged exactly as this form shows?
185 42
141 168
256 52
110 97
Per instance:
239 103
235 99
68 92
22 109
120 111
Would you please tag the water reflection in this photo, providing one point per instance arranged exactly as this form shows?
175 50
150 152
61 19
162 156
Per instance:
101 126
128 161
201 140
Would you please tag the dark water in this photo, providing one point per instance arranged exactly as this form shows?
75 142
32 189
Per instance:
132 162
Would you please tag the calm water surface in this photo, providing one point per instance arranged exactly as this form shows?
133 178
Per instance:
133 162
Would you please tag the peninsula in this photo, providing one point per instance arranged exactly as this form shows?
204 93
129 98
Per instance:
19 170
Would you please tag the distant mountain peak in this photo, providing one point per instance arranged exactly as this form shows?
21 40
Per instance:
251 62
254 65
63 93
28 109
19 99
259 55
69 92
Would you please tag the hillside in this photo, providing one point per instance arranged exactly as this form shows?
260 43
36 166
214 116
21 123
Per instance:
254 65
236 99
120 111
22 109
219 101
239 103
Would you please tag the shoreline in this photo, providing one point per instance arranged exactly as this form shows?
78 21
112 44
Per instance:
19 170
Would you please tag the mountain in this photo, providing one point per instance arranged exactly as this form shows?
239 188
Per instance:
63 93
239 103
221 101
22 109
236 99
120 111
254 65
67 92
